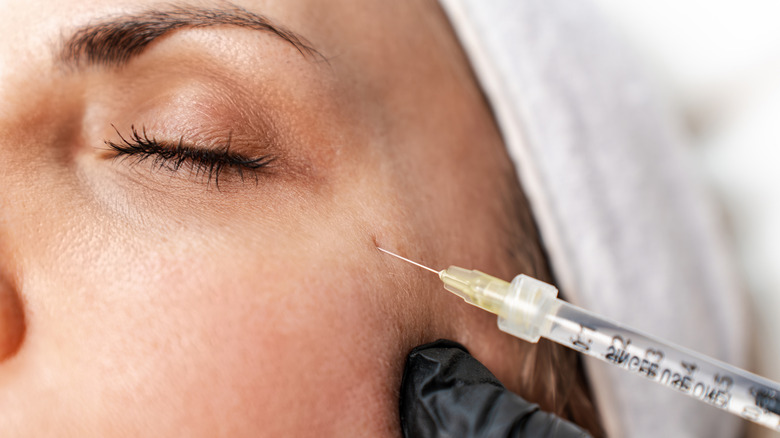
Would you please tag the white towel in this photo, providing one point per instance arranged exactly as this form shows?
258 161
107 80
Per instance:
630 233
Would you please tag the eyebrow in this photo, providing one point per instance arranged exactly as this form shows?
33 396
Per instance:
116 40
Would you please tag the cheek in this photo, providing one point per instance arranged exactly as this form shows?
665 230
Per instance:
233 335
277 340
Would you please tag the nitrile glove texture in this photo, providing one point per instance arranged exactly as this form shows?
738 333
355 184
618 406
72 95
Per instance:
446 392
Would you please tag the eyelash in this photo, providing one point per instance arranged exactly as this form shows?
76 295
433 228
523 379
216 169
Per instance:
200 161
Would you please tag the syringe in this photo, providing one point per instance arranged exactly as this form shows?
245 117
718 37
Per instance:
528 309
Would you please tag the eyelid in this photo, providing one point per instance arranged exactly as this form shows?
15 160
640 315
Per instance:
201 161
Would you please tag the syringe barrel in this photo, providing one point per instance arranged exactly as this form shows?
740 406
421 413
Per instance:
711 381
528 308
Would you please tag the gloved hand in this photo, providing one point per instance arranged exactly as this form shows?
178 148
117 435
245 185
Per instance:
445 392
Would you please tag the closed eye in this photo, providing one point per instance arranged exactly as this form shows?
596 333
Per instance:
208 163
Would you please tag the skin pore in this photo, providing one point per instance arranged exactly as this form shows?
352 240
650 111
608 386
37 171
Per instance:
144 295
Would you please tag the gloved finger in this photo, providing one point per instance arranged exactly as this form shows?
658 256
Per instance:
446 392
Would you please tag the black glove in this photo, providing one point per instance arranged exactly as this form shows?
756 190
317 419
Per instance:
445 392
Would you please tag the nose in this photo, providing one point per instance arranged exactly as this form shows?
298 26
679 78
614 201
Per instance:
17 121
12 311
12 321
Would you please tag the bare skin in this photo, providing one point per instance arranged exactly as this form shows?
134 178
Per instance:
136 299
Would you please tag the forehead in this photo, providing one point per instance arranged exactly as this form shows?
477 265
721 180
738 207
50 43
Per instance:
331 24
375 46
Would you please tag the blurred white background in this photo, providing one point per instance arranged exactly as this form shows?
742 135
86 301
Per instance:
718 61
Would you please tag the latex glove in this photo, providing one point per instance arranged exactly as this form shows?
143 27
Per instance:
445 392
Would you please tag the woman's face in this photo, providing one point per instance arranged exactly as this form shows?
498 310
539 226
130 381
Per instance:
188 222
